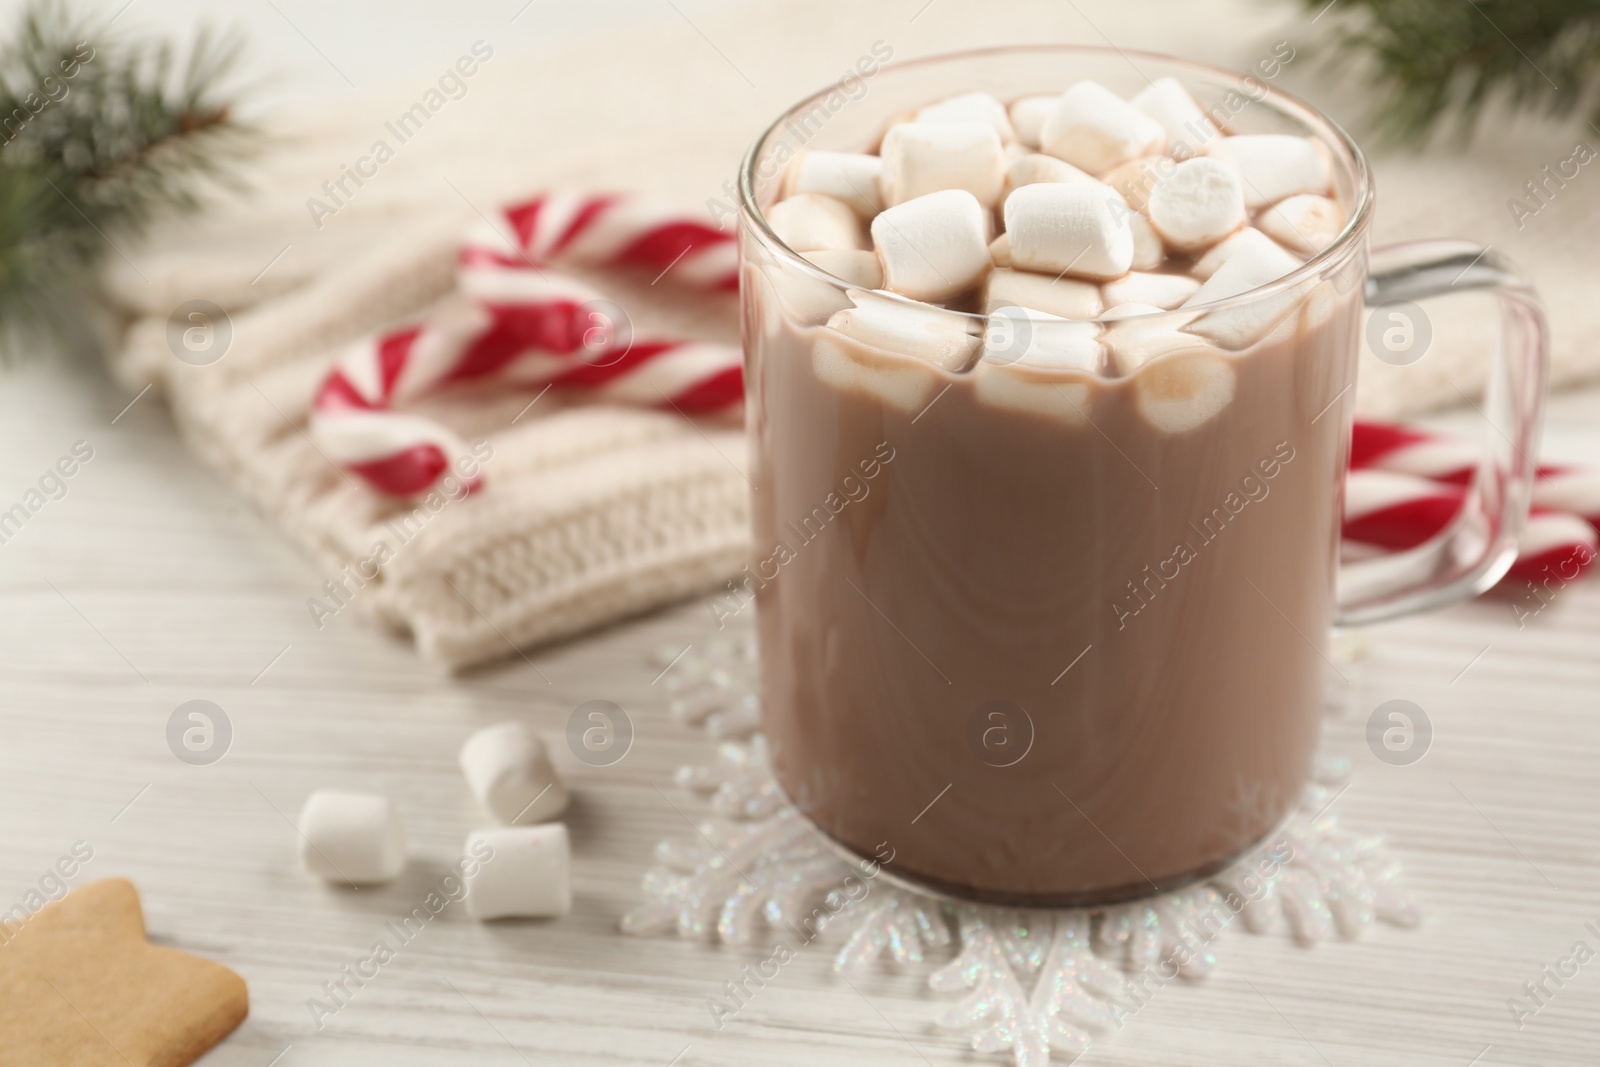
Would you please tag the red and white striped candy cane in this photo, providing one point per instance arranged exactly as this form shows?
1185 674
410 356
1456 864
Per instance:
528 326
1406 487
612 232
1403 450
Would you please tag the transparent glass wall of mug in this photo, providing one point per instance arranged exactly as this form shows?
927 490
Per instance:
1051 638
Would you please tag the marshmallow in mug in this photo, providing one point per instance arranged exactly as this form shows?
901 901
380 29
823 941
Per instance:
810 222
1094 129
1078 228
1169 103
849 177
351 838
935 246
508 769
925 157
970 107
530 877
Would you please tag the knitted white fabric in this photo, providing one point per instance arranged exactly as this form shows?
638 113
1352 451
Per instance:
595 513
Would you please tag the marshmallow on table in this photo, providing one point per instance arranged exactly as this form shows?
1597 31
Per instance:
807 222
970 107
1034 167
509 771
1148 251
1093 128
1249 267
1078 228
1136 179
1164 291
1169 103
1067 298
935 246
526 872
850 177
1027 117
924 157
1272 166
858 267
351 837
1219 253
1198 204
1306 223
1025 353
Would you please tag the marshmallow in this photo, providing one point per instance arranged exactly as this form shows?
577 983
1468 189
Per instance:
1066 298
1073 227
850 177
1199 203
1184 390
924 157
970 107
888 348
353 838
526 872
1169 103
1137 178
1018 335
1025 354
891 325
1093 128
1140 333
1156 290
1250 266
1035 167
860 268
1272 166
1148 251
1000 250
1219 253
1319 307
807 222
935 246
890 351
1128 311
1306 224
509 771
1028 114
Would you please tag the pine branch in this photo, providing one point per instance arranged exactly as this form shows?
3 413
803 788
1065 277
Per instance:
99 133
1440 62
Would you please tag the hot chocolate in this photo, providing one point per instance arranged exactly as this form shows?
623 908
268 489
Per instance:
1045 553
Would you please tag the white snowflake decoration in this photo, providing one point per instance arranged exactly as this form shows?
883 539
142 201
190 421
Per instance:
1031 982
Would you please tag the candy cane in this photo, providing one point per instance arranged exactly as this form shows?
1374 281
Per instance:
1403 450
522 323
608 231
1390 506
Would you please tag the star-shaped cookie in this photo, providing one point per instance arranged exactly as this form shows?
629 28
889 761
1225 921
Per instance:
81 987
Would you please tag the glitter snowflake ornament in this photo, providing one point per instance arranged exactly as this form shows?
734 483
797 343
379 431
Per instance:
1029 983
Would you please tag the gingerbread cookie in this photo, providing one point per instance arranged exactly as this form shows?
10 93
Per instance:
81 987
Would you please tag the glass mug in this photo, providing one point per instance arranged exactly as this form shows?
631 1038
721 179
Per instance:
1050 638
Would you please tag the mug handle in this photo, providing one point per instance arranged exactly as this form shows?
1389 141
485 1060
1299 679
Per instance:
1481 543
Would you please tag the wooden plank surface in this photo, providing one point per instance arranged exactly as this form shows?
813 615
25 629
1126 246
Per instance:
147 585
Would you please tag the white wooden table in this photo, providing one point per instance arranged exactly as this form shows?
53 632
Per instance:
149 584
